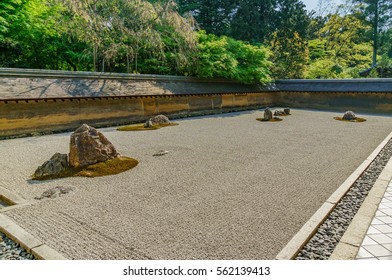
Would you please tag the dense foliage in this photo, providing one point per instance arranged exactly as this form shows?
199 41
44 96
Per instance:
332 42
247 40
228 58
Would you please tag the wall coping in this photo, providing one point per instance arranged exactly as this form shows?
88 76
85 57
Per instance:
41 73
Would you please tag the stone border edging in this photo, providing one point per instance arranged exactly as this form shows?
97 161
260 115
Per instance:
10 198
300 239
30 243
349 244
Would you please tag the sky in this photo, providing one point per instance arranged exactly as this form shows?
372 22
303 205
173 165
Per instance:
312 4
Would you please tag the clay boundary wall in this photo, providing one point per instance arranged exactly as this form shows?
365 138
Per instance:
33 108
41 116
359 95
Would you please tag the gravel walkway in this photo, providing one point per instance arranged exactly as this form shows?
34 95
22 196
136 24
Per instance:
323 243
229 188
9 250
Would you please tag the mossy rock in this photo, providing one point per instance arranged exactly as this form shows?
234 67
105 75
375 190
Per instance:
354 120
109 167
272 120
140 127
283 115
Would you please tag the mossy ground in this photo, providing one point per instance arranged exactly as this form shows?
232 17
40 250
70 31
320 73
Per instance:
272 120
109 167
140 127
355 120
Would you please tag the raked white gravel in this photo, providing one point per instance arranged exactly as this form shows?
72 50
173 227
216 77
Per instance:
230 187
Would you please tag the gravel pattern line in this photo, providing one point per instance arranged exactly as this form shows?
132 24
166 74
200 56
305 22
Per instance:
323 243
9 250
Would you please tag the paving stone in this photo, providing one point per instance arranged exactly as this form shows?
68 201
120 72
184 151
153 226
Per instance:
377 250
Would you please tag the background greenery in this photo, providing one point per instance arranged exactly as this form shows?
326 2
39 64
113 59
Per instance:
252 41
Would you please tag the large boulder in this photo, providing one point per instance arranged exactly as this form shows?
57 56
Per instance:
89 146
57 164
349 116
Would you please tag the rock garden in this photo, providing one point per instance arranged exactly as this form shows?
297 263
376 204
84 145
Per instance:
274 117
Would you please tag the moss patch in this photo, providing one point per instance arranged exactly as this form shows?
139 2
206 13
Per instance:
140 127
109 167
272 120
355 120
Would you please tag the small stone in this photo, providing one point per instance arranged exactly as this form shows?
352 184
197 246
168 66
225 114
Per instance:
286 111
160 119
267 114
156 120
54 192
349 116
160 153
64 190
48 194
279 113
148 124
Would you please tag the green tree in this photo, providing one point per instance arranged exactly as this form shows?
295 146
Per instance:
10 50
136 35
9 10
341 47
254 20
214 16
378 15
225 57
30 34
342 33
289 42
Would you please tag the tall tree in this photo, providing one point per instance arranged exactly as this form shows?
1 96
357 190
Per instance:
254 20
9 10
378 14
133 31
340 49
29 30
289 41
214 16
228 58
248 20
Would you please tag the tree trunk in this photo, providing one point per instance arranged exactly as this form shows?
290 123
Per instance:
136 61
375 33
95 57
128 63
74 68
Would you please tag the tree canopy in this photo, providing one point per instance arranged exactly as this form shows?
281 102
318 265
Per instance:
377 14
251 41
